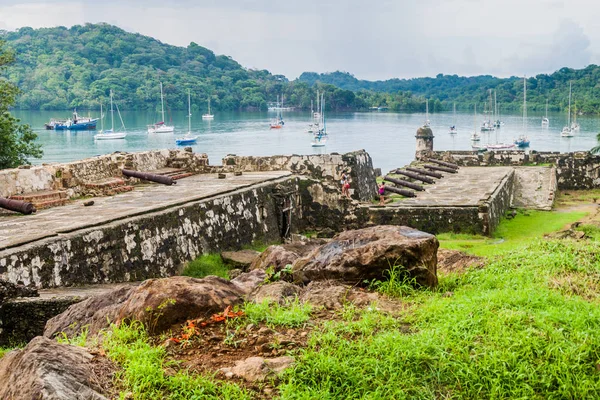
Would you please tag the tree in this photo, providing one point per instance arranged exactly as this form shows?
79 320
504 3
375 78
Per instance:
17 142
596 150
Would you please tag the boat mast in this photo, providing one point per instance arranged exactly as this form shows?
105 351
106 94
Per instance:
209 105
546 108
569 124
162 103
189 112
112 119
524 104
101 118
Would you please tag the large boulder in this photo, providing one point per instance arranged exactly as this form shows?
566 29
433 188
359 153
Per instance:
366 254
48 370
158 303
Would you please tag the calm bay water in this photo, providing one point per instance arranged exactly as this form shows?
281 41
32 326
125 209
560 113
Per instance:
388 137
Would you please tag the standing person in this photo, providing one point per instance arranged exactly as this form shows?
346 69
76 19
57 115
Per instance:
382 193
343 182
347 188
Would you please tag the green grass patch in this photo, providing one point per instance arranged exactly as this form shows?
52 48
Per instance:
511 233
292 314
571 197
143 375
207 264
396 283
258 246
505 333
592 231
4 350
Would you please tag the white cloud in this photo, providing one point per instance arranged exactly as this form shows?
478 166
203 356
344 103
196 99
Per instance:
373 40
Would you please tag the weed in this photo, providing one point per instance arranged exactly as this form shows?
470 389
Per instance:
79 340
398 283
292 314
4 350
205 265
154 315
143 376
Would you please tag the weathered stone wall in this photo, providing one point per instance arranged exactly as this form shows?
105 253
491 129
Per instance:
70 176
155 244
579 170
324 167
23 319
494 208
431 219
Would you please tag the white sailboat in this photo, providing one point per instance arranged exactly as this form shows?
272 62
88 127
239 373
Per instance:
188 138
278 123
453 130
208 116
320 137
567 131
111 134
160 127
545 120
475 136
427 123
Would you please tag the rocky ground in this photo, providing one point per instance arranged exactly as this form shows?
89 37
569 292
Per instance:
204 325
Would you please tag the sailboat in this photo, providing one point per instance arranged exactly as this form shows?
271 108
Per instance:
453 130
208 116
497 122
188 138
277 123
567 132
160 127
487 125
320 138
575 126
111 134
427 124
523 140
475 136
545 120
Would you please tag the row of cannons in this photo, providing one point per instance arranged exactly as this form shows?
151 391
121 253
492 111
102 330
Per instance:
28 208
427 175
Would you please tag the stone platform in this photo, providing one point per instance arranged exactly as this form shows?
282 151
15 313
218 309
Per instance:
470 201
16 230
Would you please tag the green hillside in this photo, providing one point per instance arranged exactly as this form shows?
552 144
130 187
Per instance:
443 90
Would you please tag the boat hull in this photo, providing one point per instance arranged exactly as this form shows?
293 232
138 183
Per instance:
80 126
110 136
161 129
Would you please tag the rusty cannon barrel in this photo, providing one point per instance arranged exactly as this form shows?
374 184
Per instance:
400 182
147 176
440 168
415 176
22 207
443 163
403 192
425 172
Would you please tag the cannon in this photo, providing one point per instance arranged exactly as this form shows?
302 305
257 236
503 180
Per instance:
415 176
165 180
403 192
443 163
400 182
438 168
425 172
22 207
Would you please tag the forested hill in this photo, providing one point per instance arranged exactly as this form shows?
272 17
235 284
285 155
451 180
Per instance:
60 68
443 90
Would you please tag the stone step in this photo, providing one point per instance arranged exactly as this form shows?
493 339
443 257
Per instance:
106 183
41 196
41 205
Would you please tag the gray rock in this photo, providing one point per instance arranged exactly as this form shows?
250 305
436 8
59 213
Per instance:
240 259
366 254
48 370
249 281
258 369
9 290
278 292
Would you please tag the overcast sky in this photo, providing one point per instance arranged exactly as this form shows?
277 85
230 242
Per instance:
370 39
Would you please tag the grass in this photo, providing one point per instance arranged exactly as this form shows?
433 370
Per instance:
143 370
207 264
292 314
511 233
396 284
506 332
571 197
4 350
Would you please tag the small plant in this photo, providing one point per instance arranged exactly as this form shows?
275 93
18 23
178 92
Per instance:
284 274
154 315
291 314
205 265
79 340
398 283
